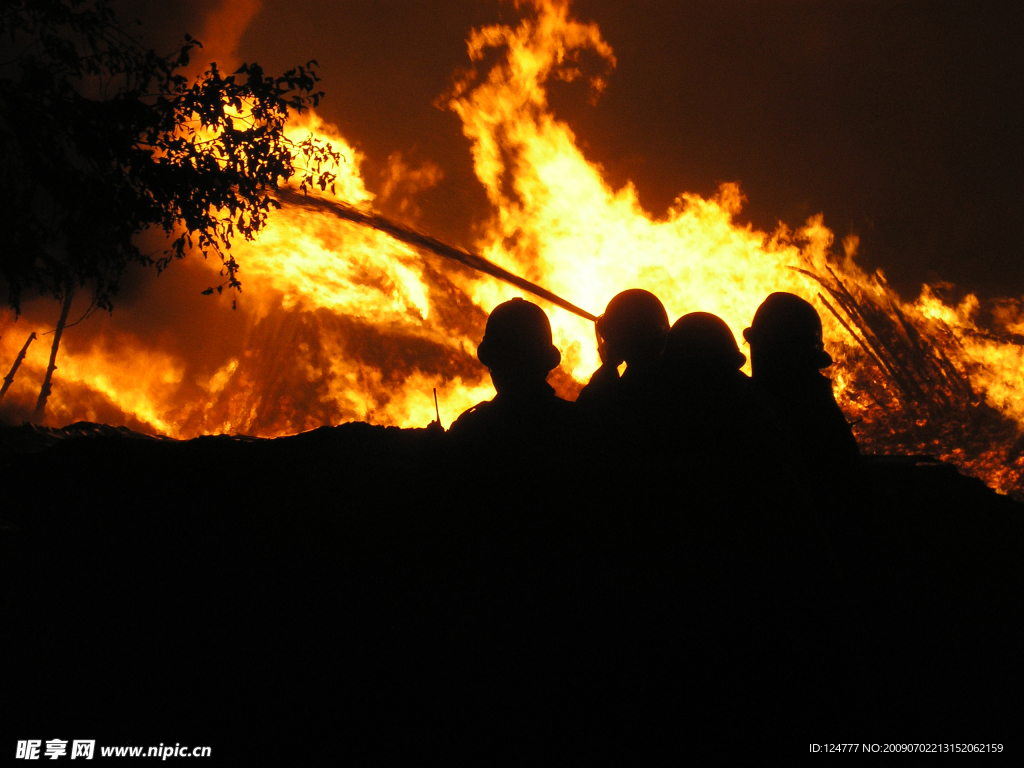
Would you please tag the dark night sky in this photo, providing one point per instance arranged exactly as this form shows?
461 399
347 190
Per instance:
903 122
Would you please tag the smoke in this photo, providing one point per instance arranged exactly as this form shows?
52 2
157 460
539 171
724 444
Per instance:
221 32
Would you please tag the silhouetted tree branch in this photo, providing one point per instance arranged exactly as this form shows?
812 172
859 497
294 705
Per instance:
102 138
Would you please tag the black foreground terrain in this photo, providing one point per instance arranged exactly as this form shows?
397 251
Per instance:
359 591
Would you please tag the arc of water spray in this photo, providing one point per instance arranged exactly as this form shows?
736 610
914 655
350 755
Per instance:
420 240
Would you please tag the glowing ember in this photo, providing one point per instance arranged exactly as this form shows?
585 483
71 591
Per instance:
344 323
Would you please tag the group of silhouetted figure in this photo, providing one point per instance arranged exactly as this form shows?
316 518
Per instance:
690 485
681 397
703 531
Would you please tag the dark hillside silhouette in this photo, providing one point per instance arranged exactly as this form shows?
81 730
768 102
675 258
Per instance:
251 593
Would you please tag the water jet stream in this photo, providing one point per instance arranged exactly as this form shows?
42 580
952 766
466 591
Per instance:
419 240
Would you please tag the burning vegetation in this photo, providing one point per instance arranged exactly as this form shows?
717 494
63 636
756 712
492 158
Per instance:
343 322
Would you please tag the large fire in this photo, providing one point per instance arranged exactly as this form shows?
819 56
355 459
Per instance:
338 322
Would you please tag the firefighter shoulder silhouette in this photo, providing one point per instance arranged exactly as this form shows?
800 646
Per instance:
710 403
632 330
624 411
525 416
786 355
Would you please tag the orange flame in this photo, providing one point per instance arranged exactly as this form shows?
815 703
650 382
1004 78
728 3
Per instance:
344 323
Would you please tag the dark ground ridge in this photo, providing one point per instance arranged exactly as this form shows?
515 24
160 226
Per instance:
358 590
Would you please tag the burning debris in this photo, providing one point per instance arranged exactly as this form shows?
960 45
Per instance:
361 319
912 391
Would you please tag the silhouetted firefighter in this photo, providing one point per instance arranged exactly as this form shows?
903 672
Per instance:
525 416
632 330
786 355
701 342
711 406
